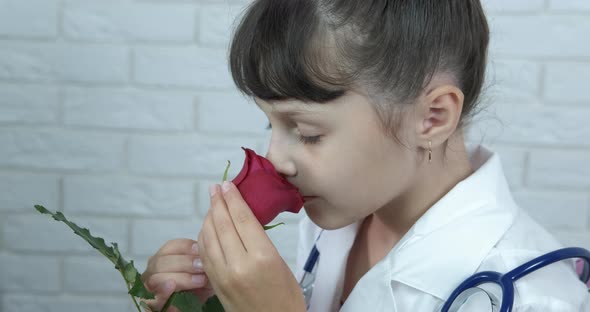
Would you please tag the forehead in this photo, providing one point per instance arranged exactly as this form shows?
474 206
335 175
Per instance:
291 107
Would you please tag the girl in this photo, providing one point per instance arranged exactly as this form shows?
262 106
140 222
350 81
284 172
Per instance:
368 102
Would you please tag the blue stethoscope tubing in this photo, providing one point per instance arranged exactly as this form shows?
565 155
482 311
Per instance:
506 281
313 257
308 276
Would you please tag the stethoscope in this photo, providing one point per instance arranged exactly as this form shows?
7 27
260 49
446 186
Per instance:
308 279
489 290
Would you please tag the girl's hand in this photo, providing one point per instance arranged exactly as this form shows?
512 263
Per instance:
243 266
175 267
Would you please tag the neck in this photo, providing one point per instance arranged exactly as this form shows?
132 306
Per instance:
433 181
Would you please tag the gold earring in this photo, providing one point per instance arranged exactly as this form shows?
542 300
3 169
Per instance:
429 151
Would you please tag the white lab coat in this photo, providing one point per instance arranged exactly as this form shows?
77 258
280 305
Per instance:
475 227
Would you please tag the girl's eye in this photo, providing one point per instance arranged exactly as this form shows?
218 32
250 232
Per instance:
303 139
309 140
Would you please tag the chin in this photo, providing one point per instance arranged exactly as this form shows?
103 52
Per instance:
326 222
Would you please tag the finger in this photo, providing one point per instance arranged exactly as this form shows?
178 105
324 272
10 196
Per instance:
175 264
171 264
246 224
183 281
163 292
181 246
211 253
204 293
229 240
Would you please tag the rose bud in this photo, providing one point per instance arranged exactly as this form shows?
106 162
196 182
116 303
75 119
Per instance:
265 190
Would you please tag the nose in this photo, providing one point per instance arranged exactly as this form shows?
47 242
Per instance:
278 154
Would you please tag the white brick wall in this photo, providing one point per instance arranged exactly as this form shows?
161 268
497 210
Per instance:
121 113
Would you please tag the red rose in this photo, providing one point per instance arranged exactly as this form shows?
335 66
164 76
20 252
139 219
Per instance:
266 192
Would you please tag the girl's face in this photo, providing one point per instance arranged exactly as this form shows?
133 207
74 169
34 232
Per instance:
338 152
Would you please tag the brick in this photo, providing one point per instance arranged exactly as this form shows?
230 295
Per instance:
556 210
573 5
92 275
2 240
555 168
123 22
183 67
229 112
217 22
116 196
40 233
19 192
513 80
500 6
140 262
28 104
187 155
128 109
31 19
565 82
35 303
521 123
540 36
47 61
60 149
27 273
149 235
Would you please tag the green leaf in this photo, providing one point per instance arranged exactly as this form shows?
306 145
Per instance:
272 226
226 170
127 269
213 305
184 301
96 242
130 273
139 290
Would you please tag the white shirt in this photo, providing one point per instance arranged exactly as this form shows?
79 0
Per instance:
475 227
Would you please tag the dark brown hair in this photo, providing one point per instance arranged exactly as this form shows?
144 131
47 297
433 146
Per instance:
316 50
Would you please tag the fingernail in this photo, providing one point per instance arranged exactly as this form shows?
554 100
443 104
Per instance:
225 186
198 264
196 248
198 279
212 190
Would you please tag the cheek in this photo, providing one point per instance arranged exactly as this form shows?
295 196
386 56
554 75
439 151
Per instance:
345 194
367 180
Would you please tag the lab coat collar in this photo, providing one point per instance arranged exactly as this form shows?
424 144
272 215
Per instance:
333 246
450 241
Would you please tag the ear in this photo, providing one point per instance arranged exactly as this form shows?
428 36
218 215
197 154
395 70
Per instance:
439 114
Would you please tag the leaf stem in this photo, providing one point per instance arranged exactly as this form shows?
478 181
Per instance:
128 290
226 169
169 302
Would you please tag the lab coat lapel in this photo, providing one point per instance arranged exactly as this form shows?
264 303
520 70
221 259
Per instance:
334 246
372 292
449 263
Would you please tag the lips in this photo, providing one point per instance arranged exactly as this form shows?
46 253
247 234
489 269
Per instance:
308 198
